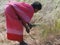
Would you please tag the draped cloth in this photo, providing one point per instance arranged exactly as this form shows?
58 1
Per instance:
14 26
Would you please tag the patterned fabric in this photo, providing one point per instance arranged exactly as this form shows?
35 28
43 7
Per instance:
14 26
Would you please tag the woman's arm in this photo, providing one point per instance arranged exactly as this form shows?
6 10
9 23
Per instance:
26 26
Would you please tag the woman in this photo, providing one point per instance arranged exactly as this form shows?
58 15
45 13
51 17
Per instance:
19 14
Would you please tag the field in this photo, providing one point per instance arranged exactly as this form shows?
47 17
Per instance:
47 31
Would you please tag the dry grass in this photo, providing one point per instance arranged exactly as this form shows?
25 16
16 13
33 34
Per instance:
48 33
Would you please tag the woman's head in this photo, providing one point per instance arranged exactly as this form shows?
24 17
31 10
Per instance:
37 6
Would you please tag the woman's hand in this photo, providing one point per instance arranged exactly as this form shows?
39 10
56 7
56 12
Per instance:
27 29
31 25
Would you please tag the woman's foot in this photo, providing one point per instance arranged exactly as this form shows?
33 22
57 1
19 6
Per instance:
23 43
